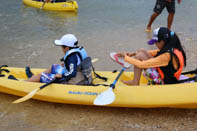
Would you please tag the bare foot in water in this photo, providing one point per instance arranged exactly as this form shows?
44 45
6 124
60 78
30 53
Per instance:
148 29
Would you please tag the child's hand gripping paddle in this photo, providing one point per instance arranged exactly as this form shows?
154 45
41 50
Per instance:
108 96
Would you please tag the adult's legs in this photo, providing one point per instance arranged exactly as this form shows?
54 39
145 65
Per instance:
141 54
152 19
170 20
159 6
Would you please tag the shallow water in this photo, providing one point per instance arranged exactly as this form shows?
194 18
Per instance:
27 34
102 26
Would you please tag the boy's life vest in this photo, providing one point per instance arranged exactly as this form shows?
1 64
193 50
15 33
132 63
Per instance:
84 67
168 73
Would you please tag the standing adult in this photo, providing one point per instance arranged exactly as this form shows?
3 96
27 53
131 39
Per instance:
159 6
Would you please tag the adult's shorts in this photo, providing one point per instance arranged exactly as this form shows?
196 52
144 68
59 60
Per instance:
161 4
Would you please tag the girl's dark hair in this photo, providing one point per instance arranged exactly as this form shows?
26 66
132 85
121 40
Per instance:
172 42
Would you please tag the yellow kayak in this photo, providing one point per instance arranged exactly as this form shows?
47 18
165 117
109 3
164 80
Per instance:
143 96
59 6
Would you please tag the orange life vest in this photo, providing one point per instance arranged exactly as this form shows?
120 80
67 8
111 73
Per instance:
168 73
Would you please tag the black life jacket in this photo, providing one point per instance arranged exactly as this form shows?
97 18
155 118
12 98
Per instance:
168 73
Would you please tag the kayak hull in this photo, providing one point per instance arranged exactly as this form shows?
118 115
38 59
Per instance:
143 96
60 6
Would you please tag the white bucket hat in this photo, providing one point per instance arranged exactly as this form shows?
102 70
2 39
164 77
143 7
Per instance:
67 40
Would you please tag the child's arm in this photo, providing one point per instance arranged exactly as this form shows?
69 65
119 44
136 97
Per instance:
72 67
153 52
161 60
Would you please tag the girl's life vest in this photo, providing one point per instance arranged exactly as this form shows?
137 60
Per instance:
84 67
169 74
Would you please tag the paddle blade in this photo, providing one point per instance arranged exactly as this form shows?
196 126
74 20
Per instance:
27 97
94 60
105 98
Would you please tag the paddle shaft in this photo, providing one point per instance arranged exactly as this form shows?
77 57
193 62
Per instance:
113 84
48 84
32 93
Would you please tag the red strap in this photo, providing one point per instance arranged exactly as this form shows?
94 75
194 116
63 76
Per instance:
116 58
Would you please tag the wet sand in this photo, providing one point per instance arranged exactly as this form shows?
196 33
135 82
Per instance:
36 115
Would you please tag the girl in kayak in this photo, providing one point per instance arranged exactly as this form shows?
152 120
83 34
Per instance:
69 71
162 66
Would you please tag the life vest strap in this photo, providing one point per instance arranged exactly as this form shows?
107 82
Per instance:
98 76
2 75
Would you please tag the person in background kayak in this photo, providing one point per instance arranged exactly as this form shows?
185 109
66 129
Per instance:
68 71
162 66
159 6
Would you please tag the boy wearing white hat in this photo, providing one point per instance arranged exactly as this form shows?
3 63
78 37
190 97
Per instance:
70 71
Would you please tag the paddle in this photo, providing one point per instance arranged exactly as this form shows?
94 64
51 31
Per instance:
108 96
95 60
32 93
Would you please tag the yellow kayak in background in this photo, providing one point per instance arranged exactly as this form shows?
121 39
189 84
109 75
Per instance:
143 96
59 6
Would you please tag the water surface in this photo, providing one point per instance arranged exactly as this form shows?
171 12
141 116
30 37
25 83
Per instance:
103 26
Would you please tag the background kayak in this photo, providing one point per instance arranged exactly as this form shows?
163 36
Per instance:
59 6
